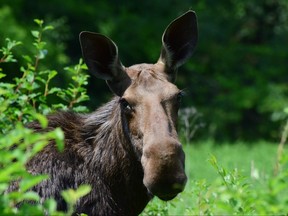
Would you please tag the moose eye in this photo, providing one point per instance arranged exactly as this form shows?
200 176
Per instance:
125 105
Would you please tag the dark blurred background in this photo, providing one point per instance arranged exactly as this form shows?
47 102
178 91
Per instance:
237 77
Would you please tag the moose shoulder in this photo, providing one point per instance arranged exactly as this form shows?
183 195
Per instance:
127 150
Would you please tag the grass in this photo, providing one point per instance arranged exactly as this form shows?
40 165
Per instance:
239 155
238 180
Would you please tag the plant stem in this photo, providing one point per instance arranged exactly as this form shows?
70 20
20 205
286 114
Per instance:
281 149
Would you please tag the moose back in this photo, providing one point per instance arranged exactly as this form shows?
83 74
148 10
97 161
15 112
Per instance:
127 150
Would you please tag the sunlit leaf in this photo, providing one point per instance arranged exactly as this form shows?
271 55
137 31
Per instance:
35 34
29 182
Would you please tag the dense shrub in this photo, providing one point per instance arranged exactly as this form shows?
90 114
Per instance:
22 100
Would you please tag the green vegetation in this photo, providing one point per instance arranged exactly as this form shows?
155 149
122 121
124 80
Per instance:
24 99
230 179
237 77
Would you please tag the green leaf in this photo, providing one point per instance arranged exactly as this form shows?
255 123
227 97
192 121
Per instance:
48 28
83 190
44 81
35 34
59 138
27 58
38 146
2 75
54 89
29 182
52 74
31 196
42 119
12 44
6 172
30 77
50 205
213 161
42 53
39 22
71 196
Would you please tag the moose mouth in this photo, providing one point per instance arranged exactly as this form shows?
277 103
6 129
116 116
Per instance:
166 197
168 194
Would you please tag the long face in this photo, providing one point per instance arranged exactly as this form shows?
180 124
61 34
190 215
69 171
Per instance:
150 106
149 100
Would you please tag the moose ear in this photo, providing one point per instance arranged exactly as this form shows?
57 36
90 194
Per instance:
178 42
101 56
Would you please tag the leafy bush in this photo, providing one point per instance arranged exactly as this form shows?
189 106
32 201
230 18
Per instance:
241 57
22 100
232 193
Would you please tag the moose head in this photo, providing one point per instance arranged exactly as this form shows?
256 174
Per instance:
149 101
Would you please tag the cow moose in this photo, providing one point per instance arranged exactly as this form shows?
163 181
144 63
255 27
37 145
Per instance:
127 150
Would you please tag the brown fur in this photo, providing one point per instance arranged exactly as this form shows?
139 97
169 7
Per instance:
96 154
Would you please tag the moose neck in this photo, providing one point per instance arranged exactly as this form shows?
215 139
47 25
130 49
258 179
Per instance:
115 157
104 131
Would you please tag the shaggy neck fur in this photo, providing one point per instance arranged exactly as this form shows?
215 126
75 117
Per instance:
114 156
104 131
97 152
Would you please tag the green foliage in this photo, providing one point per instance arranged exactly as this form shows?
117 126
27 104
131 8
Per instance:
240 56
30 93
16 148
23 100
237 78
157 207
7 52
232 192
76 92
71 196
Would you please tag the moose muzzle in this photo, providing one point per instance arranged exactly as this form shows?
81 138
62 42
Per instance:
163 164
